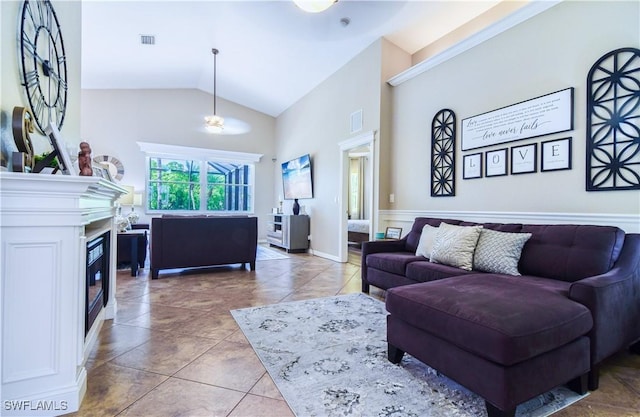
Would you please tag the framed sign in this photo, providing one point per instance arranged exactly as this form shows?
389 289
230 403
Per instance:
472 167
524 159
393 233
496 163
556 154
544 115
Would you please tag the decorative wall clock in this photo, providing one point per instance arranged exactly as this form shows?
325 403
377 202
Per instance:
116 169
443 166
44 63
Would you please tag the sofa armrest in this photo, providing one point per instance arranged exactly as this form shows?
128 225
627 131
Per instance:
614 301
377 246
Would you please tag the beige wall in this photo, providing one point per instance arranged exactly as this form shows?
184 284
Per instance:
12 93
547 53
113 121
316 124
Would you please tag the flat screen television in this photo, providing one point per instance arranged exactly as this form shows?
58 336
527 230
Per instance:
297 178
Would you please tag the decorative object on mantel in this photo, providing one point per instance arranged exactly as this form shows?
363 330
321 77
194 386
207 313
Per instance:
296 207
59 150
217 124
43 64
22 125
443 160
544 115
84 160
613 117
115 167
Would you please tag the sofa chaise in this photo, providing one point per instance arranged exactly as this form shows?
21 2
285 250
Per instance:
199 241
570 298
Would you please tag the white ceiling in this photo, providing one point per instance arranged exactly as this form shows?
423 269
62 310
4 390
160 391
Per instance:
271 53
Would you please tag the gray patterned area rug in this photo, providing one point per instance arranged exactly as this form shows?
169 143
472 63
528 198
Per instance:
328 357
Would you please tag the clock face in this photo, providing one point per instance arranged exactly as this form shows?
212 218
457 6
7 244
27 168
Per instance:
44 65
116 169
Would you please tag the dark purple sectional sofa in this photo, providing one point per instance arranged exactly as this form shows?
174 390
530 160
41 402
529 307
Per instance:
510 338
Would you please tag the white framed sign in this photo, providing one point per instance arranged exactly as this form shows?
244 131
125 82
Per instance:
472 166
524 158
556 154
496 163
544 115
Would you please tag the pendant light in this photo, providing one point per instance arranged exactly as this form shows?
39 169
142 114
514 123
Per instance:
215 123
314 6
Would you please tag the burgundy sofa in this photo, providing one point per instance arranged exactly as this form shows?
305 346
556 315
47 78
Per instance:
510 338
198 241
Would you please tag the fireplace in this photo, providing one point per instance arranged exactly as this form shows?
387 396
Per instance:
97 292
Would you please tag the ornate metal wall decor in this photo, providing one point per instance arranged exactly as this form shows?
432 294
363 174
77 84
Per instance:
443 140
613 122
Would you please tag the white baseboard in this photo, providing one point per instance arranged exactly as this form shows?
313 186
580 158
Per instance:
324 255
404 218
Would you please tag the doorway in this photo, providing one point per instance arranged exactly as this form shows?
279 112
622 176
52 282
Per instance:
358 190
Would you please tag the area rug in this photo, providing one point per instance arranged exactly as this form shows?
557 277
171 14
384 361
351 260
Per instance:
266 254
328 357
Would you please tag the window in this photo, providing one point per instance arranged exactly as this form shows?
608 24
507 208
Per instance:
181 179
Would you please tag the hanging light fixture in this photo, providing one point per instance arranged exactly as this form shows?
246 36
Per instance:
215 123
314 6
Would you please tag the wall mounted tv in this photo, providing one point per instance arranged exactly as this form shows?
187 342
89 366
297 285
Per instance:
297 178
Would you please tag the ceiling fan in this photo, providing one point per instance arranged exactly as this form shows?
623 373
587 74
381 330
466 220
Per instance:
217 124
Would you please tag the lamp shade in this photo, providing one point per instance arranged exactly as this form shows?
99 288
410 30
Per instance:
127 199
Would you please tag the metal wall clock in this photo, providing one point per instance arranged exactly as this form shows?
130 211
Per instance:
443 140
43 62
116 169
613 122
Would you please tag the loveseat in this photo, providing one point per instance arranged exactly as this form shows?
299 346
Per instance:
572 301
199 241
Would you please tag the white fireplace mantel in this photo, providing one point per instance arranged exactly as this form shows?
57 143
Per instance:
45 221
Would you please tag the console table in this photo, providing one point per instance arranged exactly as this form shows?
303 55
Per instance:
47 221
290 232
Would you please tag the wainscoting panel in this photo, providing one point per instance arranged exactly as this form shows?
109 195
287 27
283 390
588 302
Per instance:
404 218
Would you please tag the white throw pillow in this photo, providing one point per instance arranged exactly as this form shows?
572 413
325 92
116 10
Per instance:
454 245
499 252
426 241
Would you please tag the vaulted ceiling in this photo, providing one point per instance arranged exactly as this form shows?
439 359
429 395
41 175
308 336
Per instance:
271 52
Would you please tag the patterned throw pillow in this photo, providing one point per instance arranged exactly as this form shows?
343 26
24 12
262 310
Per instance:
426 241
454 245
499 252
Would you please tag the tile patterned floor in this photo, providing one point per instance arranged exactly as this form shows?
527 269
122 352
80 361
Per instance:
174 349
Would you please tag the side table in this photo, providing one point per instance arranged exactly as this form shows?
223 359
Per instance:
133 236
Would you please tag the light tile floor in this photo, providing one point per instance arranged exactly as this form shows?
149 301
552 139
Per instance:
174 349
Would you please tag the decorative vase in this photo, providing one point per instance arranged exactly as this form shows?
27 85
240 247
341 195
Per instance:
296 207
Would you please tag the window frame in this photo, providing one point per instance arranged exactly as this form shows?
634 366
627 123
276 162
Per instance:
203 156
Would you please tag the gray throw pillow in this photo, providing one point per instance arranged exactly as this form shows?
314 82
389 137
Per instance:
454 245
499 252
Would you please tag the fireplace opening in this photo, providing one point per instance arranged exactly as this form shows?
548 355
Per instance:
97 288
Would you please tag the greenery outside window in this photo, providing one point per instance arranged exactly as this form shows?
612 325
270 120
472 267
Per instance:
181 179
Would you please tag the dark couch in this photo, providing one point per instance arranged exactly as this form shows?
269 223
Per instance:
510 338
198 241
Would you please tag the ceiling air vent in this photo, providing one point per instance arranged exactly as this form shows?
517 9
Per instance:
148 39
